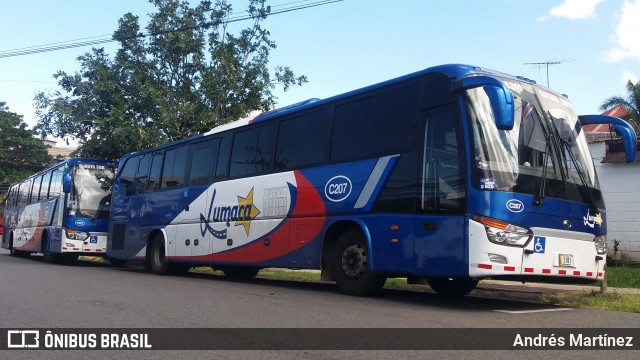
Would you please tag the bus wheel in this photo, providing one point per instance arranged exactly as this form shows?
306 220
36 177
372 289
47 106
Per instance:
240 272
453 287
157 257
351 266
16 253
51 258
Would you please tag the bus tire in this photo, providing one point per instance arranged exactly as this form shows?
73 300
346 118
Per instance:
240 272
51 258
452 287
351 265
157 257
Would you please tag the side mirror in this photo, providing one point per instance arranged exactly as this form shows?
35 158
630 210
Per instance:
621 127
66 183
499 95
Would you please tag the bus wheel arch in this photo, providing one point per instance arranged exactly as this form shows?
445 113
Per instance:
346 255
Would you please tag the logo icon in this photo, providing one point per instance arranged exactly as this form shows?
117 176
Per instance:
338 188
80 222
23 339
539 244
515 206
591 221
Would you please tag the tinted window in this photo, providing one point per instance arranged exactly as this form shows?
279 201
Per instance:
127 176
142 174
350 140
385 123
443 170
251 153
222 167
35 190
55 189
174 166
153 184
302 140
203 161
44 188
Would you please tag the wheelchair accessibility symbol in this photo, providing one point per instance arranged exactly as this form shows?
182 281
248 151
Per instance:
539 244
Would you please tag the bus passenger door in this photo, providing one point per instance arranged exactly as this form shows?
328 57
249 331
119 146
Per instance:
439 227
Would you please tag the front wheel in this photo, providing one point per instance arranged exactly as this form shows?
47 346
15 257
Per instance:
453 287
350 266
157 259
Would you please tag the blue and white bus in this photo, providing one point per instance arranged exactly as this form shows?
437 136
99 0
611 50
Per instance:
451 174
61 212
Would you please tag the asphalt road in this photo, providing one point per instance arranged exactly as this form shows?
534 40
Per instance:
35 294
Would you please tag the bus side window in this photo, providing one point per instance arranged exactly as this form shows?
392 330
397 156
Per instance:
127 176
153 183
302 140
222 166
443 177
252 151
203 162
174 167
44 188
142 174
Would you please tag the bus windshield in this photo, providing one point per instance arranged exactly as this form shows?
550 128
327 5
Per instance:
91 191
544 150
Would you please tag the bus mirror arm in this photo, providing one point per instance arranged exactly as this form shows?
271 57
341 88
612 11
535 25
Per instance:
499 95
622 128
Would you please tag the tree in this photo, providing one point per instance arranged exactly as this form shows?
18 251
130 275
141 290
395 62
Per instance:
631 102
21 153
187 74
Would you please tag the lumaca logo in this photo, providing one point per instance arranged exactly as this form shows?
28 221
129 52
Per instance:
242 214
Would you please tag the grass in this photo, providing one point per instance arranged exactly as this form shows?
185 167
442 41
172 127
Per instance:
623 277
613 301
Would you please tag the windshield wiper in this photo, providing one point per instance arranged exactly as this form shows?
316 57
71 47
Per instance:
592 202
104 202
539 199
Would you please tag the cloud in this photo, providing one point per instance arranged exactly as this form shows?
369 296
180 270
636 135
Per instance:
573 10
626 36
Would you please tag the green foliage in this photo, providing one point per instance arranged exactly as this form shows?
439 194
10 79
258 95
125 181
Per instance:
188 74
631 103
21 153
623 276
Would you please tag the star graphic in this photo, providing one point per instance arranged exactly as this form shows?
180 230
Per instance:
249 213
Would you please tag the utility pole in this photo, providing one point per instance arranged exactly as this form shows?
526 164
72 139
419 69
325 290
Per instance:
546 64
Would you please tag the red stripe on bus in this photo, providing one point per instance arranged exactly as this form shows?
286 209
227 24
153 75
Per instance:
546 271
562 272
485 266
528 270
589 273
576 273
509 268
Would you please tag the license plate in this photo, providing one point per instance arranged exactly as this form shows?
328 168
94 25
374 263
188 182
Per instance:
565 260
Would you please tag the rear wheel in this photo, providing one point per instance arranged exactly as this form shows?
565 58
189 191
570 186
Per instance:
453 287
351 266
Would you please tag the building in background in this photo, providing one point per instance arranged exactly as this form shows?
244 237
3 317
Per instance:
620 183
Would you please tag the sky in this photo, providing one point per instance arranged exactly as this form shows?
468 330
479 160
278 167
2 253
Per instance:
354 43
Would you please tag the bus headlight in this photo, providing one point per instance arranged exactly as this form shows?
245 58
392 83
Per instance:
504 233
75 234
601 244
